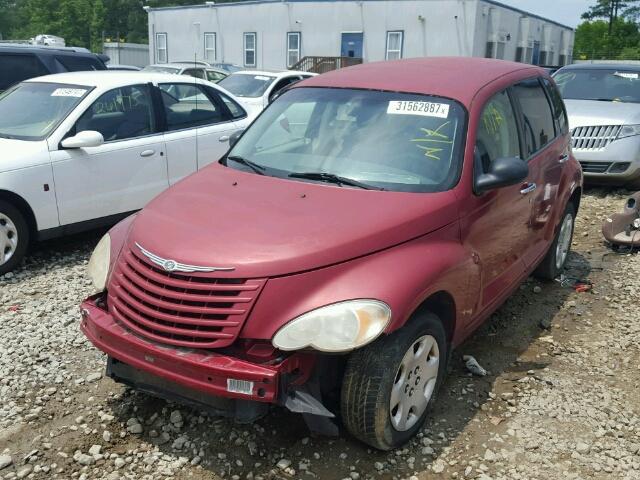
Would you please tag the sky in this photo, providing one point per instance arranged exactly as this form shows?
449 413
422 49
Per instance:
564 11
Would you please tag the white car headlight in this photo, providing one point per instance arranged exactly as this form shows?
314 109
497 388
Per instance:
629 131
335 328
98 268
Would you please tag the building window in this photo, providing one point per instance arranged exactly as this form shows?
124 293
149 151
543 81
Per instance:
161 48
210 47
249 49
394 45
293 48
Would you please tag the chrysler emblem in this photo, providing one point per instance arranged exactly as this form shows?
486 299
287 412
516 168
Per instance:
172 266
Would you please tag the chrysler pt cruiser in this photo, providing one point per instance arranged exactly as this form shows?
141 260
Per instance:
361 228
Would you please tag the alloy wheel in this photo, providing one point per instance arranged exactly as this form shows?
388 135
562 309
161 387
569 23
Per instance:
8 238
414 383
564 240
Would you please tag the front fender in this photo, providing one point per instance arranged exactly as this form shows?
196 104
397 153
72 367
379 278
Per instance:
402 276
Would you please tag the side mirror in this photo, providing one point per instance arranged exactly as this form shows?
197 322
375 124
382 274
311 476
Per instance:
233 138
503 172
84 139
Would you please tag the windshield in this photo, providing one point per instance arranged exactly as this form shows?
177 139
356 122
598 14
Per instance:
242 85
153 68
31 111
384 140
617 85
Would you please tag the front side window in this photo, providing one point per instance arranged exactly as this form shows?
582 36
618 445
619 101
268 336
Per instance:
537 119
15 68
161 48
606 85
187 106
32 110
244 85
394 141
293 48
559 112
394 45
210 47
497 135
119 114
249 49
214 76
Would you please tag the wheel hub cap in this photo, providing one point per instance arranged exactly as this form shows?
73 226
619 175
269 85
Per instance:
564 240
8 239
414 383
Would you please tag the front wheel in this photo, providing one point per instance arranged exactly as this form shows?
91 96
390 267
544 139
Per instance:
553 263
389 385
14 237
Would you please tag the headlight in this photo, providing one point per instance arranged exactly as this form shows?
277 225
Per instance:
98 268
335 328
629 131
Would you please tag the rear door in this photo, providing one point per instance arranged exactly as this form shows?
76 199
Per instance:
16 67
544 149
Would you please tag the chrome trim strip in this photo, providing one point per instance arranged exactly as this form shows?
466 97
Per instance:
173 266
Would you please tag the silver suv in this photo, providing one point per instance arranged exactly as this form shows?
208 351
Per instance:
603 105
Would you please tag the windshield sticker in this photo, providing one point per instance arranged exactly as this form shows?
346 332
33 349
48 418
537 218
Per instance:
261 77
425 109
631 76
434 141
68 92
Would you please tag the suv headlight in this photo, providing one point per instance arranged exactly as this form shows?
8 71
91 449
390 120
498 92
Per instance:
98 268
335 328
629 131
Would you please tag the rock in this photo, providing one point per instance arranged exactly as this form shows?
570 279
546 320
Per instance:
378 466
135 428
438 466
582 447
84 459
93 377
537 289
106 436
24 471
5 461
175 417
283 464
95 450
489 456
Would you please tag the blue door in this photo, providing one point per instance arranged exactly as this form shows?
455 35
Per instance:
352 45
536 53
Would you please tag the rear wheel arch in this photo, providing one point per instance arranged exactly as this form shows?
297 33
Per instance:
23 206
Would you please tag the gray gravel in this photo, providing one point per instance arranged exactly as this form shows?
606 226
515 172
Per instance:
560 400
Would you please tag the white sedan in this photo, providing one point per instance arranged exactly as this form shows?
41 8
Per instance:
84 149
256 89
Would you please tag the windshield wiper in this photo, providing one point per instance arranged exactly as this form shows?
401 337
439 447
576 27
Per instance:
259 169
332 178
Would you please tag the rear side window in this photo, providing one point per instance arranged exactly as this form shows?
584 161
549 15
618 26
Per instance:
77 63
195 72
558 107
15 68
537 119
121 113
498 131
187 106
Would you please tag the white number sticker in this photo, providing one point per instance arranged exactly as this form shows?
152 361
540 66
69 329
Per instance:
239 386
630 76
68 92
425 109
261 77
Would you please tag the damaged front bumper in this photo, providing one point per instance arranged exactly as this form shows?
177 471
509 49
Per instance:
218 382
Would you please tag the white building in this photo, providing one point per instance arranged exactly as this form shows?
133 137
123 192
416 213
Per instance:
277 33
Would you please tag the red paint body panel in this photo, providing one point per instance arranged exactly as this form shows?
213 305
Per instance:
316 244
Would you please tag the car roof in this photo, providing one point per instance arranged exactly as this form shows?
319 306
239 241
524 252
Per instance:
113 78
458 78
603 66
45 49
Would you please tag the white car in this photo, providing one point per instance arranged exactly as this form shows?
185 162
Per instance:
83 149
256 89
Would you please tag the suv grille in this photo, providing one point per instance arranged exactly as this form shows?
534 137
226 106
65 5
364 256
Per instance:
186 310
594 138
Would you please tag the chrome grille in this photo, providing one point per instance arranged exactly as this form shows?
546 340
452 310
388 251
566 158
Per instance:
594 138
196 310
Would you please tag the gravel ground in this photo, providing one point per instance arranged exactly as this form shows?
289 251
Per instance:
560 400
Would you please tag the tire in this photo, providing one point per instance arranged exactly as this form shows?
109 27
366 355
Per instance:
14 237
372 372
553 263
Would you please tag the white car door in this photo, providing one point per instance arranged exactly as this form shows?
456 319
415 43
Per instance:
122 174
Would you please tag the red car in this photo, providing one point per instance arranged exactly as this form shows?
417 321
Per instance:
361 228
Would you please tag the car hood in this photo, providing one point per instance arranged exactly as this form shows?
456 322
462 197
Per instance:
15 154
593 113
264 226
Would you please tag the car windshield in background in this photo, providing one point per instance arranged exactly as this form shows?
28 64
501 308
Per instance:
359 138
31 111
152 68
599 84
242 85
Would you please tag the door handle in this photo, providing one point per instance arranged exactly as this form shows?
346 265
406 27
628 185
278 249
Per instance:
563 158
147 153
224 138
528 188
